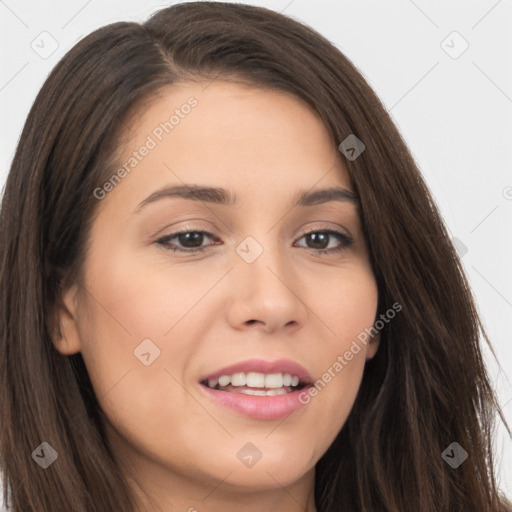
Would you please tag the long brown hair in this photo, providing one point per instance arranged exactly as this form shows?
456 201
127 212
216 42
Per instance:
416 397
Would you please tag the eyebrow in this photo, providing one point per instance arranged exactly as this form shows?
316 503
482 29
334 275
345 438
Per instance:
222 196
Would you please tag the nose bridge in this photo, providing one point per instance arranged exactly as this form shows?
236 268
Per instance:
262 258
265 288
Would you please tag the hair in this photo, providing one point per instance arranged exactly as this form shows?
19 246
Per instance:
415 398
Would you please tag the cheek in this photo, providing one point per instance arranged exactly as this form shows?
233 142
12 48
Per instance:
335 389
135 314
347 307
150 296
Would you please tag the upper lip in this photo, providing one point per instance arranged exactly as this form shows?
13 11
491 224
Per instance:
263 366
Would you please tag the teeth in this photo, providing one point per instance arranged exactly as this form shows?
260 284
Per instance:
238 379
224 380
274 381
212 382
261 392
256 380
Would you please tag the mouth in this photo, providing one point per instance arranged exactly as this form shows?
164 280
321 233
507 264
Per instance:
259 389
258 377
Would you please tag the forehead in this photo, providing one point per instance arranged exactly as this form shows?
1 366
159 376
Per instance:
229 114
230 135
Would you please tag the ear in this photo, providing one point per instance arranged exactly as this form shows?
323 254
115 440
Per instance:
372 347
65 334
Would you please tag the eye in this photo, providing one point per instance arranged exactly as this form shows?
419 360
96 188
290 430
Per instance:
321 241
191 241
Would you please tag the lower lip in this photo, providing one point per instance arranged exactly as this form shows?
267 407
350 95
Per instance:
260 407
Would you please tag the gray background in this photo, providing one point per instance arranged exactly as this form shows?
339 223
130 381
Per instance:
453 107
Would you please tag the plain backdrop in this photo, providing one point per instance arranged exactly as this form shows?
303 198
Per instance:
442 69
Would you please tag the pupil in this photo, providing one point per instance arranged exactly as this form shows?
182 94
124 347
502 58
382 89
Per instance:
322 237
195 236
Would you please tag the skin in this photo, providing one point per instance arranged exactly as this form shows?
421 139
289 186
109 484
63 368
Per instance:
210 309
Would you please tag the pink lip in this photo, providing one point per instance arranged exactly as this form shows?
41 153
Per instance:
262 366
260 407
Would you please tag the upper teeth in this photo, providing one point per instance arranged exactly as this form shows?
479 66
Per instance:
256 380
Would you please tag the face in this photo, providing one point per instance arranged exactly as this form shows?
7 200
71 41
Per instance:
262 284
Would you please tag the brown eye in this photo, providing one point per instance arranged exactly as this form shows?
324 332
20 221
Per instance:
320 240
185 241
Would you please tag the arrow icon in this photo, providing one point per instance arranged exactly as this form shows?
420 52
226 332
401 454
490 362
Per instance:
454 45
249 254
249 455
45 455
454 455
351 147
147 352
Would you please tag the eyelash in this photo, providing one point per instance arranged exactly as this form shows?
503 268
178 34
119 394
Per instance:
345 240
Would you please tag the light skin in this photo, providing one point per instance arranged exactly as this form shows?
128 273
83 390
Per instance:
209 309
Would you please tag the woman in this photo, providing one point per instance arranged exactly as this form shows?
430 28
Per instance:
225 285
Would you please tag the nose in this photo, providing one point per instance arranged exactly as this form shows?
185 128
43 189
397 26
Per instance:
266 294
